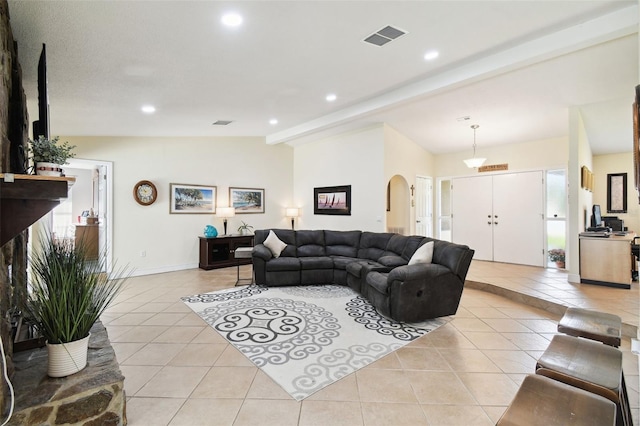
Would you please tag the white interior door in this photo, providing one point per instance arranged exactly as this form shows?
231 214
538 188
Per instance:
518 218
424 206
472 214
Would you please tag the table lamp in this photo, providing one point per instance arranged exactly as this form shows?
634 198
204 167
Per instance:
292 213
225 213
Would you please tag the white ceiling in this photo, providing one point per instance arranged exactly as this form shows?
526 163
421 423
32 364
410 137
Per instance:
514 67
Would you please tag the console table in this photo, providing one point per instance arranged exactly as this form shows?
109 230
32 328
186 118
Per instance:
607 261
219 252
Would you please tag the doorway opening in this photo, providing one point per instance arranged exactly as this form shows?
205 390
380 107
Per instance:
444 209
92 193
556 218
398 206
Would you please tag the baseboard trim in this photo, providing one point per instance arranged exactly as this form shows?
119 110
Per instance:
172 268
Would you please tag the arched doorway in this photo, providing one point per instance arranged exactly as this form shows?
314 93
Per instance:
398 206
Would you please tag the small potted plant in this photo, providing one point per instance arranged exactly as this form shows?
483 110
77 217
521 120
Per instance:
557 256
48 155
66 295
245 229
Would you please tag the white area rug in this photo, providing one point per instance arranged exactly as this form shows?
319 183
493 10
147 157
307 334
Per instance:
305 337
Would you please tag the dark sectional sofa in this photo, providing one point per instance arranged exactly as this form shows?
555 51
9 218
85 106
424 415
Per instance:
373 263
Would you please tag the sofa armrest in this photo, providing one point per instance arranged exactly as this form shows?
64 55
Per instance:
416 272
418 292
261 252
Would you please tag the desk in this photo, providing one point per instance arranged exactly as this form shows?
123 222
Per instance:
87 237
607 261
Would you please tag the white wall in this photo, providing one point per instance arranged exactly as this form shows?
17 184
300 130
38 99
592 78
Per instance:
403 157
538 155
585 158
355 158
171 240
365 159
617 163
580 200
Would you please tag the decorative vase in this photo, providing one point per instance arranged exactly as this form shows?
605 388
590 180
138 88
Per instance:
560 264
48 169
210 231
67 358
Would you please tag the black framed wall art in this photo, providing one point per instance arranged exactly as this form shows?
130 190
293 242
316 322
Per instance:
617 193
335 200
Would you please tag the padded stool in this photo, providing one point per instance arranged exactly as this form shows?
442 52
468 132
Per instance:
594 325
541 401
588 365
243 253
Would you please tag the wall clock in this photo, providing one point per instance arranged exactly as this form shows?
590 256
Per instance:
145 193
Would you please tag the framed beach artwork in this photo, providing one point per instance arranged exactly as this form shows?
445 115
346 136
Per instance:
332 200
192 199
247 200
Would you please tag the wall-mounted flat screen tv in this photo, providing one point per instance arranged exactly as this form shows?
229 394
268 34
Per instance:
41 127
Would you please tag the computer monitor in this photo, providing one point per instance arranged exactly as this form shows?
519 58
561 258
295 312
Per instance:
596 217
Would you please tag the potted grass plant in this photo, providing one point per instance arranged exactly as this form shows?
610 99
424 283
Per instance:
49 155
67 293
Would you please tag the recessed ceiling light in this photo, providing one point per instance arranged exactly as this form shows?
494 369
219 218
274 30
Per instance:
148 109
331 97
431 55
273 121
232 19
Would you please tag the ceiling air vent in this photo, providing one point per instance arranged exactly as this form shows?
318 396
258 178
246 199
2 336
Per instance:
384 36
222 122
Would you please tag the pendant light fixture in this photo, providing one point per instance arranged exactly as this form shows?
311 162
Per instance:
473 162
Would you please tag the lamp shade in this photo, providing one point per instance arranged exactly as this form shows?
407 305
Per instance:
292 212
226 212
474 162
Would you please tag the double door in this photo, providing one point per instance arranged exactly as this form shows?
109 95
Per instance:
501 217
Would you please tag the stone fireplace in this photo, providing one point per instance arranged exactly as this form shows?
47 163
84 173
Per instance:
96 394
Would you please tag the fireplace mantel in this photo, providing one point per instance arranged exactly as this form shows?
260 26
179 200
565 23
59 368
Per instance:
26 198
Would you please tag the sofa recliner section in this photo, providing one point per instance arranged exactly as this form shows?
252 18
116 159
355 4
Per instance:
374 264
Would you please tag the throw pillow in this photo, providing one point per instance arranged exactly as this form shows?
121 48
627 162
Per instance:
274 244
424 254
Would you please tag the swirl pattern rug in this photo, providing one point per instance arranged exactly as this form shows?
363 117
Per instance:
305 337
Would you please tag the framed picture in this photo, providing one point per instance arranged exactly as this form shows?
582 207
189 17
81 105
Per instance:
587 180
332 200
247 200
617 193
192 199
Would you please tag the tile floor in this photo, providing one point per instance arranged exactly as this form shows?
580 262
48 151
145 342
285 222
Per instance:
550 286
179 371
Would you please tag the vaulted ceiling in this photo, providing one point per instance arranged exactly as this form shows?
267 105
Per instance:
513 67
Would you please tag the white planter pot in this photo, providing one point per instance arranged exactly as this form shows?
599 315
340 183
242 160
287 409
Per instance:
48 169
67 358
